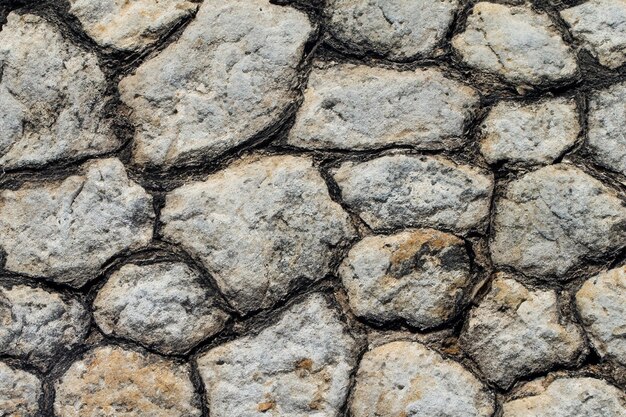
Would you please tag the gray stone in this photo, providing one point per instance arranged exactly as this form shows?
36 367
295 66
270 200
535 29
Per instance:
231 75
67 230
299 366
19 392
398 191
52 95
165 306
359 108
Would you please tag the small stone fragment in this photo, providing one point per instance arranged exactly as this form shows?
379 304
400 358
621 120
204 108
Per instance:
409 379
551 219
111 381
231 75
516 332
129 25
421 276
19 392
600 26
259 226
300 366
399 191
164 306
52 95
358 108
536 133
515 42
36 325
65 231
396 29
601 303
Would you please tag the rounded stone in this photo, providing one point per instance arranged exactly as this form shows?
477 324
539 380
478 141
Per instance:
19 392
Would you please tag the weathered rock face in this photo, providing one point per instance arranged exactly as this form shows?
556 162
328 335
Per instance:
52 95
259 227
515 42
421 276
19 392
231 75
413 191
299 366
516 332
408 379
529 134
129 25
600 302
67 230
111 381
551 219
360 108
165 306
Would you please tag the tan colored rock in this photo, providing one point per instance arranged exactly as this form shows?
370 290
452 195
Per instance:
19 392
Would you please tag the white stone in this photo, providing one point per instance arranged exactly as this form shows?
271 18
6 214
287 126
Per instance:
19 393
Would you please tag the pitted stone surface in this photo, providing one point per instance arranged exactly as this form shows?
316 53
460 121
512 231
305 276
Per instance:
230 76
165 306
37 325
421 276
259 226
111 381
409 379
396 29
516 332
52 95
65 231
415 191
515 42
299 366
358 108
19 392
528 134
550 220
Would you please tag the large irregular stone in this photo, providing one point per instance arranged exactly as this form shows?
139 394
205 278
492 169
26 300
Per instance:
536 133
231 75
67 230
19 392
408 379
113 382
52 95
421 276
259 226
516 332
601 304
299 366
551 219
129 25
395 29
359 107
413 191
37 325
165 306
600 26
515 42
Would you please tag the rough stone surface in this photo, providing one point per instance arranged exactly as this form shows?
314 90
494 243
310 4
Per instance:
360 108
19 392
516 332
600 26
536 133
230 76
515 42
129 25
165 306
551 219
111 381
36 325
299 366
600 302
408 379
52 95
67 230
259 226
414 191
421 276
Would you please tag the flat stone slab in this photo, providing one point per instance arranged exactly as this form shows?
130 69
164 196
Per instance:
19 392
